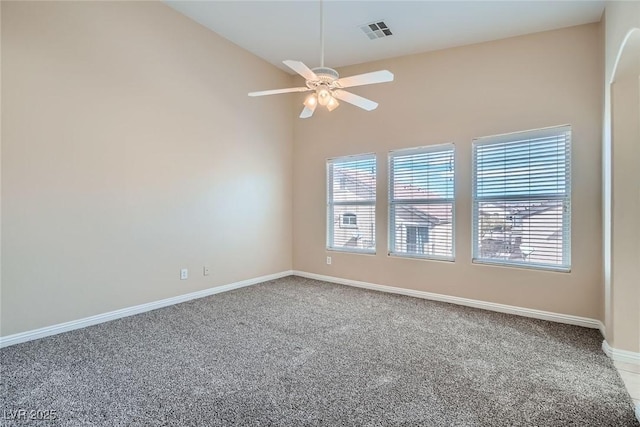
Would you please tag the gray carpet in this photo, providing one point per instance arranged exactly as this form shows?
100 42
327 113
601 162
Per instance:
297 352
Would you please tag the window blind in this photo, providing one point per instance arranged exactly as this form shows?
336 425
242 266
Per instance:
421 202
522 199
351 203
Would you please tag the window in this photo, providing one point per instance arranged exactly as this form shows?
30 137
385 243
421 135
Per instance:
349 220
351 203
421 202
522 199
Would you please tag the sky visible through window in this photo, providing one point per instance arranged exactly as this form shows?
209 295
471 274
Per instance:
523 168
434 175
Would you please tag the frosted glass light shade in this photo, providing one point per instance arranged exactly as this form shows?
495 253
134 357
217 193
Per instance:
323 96
332 104
311 101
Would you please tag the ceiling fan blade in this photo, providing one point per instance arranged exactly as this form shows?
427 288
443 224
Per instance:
277 91
307 112
357 100
381 76
301 69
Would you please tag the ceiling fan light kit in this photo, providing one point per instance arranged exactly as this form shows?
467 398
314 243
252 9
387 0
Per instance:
326 84
311 101
332 104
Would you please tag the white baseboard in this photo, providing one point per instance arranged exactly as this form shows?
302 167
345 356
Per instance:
621 355
603 331
501 308
130 311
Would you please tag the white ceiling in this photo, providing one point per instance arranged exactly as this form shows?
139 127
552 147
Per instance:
279 30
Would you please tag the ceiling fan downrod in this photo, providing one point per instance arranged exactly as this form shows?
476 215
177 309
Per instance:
321 34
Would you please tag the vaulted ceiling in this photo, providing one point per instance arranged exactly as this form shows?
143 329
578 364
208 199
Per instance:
279 30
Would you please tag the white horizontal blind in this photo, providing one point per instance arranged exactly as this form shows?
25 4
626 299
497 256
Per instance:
351 203
421 202
522 199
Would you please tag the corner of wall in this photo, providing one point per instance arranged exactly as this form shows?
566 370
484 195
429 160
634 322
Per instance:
1 310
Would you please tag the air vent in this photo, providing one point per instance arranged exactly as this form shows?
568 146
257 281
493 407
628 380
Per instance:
376 30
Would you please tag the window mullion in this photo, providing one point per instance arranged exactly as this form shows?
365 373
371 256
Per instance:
358 203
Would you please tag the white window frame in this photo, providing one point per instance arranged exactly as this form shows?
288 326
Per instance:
427 201
332 203
565 198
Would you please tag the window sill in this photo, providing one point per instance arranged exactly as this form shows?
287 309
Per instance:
549 268
352 251
422 258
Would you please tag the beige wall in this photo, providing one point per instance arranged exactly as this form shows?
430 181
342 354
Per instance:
621 175
0 169
454 95
130 149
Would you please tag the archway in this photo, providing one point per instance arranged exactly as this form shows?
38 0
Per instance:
623 305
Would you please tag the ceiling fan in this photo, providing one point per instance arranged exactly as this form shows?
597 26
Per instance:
326 84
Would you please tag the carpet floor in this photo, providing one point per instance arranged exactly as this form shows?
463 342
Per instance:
300 352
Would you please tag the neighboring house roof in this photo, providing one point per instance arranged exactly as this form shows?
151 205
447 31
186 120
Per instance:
362 184
519 210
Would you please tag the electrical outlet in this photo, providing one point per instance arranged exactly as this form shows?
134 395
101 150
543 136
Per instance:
205 271
184 274
328 260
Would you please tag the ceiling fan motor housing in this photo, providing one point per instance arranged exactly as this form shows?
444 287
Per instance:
326 75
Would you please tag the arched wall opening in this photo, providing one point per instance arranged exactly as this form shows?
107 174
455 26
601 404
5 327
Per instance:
622 295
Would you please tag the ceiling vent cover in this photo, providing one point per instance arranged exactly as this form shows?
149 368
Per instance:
376 30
